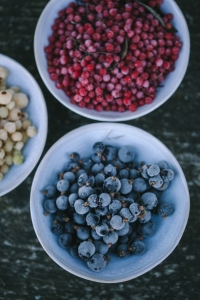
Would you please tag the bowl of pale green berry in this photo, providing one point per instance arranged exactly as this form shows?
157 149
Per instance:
23 124
111 206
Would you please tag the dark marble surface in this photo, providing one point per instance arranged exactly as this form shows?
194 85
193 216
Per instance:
26 271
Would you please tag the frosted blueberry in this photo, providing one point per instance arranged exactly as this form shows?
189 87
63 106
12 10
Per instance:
112 185
80 208
137 248
165 209
86 249
149 200
126 154
62 202
97 262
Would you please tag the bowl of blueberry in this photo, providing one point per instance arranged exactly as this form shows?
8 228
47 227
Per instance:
111 207
113 61
23 124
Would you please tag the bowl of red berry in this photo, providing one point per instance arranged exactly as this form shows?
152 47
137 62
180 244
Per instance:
114 61
109 208
23 124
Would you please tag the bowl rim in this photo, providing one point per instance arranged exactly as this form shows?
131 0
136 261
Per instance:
34 214
107 116
33 163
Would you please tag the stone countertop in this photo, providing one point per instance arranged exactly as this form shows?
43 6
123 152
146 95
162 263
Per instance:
26 271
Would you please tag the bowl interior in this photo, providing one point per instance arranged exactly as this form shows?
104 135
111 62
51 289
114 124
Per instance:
43 31
148 149
19 76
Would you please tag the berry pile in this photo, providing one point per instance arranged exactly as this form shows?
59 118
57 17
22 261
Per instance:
104 203
112 55
15 126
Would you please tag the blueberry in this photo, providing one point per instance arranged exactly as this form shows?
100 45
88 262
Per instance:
84 179
61 216
139 185
97 262
62 202
110 238
143 171
69 227
86 164
86 249
65 240
98 147
62 185
117 222
153 170
115 206
69 176
71 166
167 175
101 210
102 229
73 250
156 181
162 165
137 248
112 185
75 156
110 170
72 199
134 173
92 219
104 199
145 217
97 157
93 200
80 207
127 215
85 191
122 250
49 191
110 153
126 154
50 206
83 232
135 209
165 209
149 200
146 229
125 230
99 179
124 173
57 228
101 247
95 235
79 219
97 168
126 186
74 188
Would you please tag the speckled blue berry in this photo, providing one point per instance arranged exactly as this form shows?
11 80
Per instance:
62 185
101 247
92 219
126 186
139 185
117 222
112 185
97 262
86 249
65 240
122 250
62 202
57 228
79 219
126 154
146 229
104 199
110 153
165 209
102 229
50 206
72 199
110 170
80 207
137 248
153 170
110 238
115 206
70 177
82 232
49 191
98 147
149 200
85 191
156 181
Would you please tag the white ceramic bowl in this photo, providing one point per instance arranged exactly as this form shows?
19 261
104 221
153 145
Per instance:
36 109
43 31
148 149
